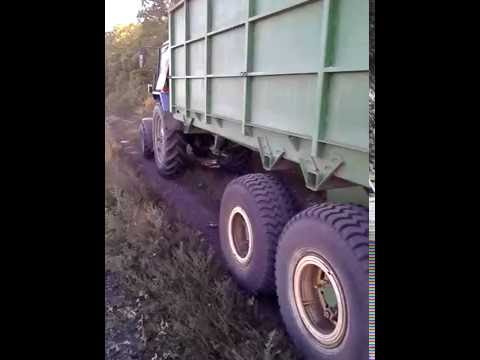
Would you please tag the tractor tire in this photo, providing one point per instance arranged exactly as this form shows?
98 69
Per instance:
146 137
321 272
169 145
254 210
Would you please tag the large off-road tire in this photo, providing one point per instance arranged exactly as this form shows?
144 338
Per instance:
146 137
169 145
253 212
322 265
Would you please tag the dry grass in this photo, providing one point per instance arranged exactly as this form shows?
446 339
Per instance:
187 306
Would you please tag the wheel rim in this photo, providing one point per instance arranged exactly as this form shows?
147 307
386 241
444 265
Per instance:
320 300
240 235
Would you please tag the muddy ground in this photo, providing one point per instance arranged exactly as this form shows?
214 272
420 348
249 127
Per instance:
199 191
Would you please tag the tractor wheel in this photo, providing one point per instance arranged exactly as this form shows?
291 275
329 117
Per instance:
253 212
146 137
321 272
169 145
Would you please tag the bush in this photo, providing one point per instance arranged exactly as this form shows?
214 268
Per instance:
125 82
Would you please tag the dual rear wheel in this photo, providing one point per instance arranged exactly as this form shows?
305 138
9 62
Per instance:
315 261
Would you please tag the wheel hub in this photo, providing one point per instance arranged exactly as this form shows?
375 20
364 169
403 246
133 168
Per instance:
319 300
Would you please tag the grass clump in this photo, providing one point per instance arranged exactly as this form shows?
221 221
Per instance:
187 306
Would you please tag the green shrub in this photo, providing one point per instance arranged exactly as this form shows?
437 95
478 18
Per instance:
125 82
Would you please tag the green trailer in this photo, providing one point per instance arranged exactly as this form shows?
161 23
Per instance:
287 80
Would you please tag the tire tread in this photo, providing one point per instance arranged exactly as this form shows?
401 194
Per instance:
276 205
350 221
173 160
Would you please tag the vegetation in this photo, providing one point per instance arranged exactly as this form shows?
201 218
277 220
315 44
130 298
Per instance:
125 82
186 305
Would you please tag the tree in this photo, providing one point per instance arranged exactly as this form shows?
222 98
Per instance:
125 82
154 10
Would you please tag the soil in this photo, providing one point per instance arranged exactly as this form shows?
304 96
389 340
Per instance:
195 197
192 199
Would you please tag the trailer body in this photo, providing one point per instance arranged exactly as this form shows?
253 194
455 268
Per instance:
287 78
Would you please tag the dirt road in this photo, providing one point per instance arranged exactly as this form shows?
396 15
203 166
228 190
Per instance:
193 200
195 197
